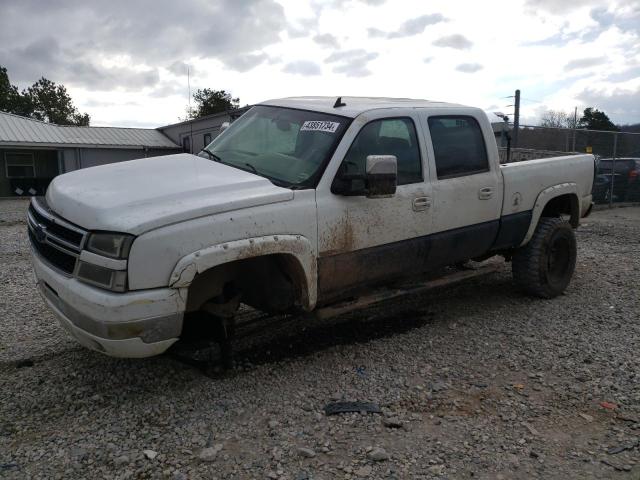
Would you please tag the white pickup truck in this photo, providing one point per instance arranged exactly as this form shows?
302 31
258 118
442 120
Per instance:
300 203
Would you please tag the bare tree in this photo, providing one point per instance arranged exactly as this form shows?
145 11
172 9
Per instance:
556 119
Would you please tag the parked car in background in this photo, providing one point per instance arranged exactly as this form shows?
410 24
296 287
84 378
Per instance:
601 192
626 181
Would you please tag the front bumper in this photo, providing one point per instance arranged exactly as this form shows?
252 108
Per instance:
131 325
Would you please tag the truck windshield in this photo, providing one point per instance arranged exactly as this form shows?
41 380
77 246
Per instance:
289 147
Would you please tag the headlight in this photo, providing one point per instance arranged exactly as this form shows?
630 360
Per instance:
115 280
114 245
103 263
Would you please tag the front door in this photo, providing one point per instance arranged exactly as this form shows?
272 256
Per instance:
366 240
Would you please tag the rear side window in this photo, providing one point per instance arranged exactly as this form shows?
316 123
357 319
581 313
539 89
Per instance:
458 146
388 136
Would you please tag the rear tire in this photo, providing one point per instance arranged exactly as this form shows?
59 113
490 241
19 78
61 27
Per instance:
544 266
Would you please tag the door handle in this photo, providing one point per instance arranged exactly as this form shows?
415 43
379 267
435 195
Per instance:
485 193
421 203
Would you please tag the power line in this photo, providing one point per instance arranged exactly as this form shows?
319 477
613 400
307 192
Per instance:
531 100
522 98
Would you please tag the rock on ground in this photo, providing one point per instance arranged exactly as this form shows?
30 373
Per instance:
487 383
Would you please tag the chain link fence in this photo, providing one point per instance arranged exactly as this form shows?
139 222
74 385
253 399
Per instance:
617 156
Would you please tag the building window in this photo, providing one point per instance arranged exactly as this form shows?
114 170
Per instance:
186 144
19 165
207 139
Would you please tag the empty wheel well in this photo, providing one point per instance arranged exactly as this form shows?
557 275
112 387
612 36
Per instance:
564 204
272 283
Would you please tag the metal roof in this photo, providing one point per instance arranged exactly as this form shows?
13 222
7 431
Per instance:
354 106
21 131
228 113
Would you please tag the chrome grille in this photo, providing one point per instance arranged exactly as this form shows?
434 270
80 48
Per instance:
56 240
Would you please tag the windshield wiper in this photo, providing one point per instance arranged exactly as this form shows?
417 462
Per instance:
279 183
212 155
253 169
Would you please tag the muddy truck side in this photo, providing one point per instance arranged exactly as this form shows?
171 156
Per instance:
299 204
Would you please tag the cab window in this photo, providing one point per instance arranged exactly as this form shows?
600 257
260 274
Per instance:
389 136
458 146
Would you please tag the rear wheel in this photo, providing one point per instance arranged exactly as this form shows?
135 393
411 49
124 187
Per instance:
544 266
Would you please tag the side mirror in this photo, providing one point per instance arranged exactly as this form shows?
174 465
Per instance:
224 126
381 175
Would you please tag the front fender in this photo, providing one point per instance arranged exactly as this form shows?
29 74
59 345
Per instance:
297 246
543 198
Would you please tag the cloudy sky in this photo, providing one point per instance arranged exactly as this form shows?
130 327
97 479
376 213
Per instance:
125 62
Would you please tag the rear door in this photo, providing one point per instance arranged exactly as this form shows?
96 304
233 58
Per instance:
466 186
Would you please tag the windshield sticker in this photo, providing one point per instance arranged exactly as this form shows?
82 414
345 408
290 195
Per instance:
320 126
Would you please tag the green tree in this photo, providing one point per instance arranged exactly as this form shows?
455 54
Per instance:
44 100
51 103
10 99
7 91
594 119
212 101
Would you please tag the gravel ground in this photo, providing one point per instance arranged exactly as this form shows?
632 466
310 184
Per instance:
12 210
474 381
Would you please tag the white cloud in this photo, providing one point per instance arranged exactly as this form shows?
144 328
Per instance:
302 67
560 54
469 67
353 63
457 41
326 40
180 68
246 62
586 62
415 26
620 103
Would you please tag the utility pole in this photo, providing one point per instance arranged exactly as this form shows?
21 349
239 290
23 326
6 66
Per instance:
188 90
575 125
613 168
516 120
190 112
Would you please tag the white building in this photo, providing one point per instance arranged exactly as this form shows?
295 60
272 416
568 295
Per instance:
33 152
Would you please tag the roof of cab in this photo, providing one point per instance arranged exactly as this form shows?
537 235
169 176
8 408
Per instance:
354 106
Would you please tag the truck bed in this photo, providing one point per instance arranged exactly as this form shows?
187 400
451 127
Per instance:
531 177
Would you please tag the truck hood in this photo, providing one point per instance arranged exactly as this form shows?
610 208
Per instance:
140 195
